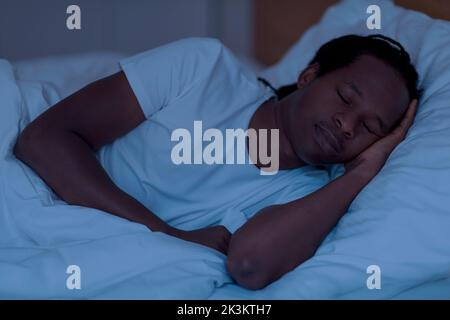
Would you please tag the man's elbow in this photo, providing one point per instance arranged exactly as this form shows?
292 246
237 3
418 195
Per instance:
27 141
247 273
23 140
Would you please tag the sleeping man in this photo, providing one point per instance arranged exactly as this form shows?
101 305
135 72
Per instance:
109 145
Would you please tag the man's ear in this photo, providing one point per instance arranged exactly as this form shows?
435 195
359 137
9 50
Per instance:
308 75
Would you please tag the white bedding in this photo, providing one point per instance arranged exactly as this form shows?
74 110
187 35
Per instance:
67 74
400 221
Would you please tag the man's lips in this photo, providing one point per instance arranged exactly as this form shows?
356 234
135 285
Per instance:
328 138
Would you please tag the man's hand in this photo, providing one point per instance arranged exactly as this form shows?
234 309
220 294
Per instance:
216 237
369 162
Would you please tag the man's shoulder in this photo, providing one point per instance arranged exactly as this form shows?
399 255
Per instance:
199 44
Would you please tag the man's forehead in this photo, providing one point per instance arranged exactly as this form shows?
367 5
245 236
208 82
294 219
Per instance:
382 87
369 66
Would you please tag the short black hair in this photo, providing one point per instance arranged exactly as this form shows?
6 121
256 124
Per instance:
342 51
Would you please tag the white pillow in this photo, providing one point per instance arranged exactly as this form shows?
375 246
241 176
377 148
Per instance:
68 73
401 220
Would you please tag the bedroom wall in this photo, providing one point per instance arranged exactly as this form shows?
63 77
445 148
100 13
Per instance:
280 23
30 28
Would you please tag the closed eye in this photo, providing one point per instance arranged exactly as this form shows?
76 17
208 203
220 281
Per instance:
342 97
349 103
370 131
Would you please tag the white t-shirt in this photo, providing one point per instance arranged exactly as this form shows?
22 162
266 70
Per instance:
177 84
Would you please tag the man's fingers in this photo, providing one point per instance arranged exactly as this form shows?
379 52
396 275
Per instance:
410 113
399 133
225 237
384 146
223 246
409 116
408 119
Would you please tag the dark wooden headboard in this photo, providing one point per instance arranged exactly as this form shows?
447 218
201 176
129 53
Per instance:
281 22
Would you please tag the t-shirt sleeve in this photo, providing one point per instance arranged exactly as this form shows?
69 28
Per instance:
160 75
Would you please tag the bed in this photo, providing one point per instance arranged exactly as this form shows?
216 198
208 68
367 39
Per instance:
399 222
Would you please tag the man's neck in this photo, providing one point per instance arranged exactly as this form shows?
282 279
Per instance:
270 116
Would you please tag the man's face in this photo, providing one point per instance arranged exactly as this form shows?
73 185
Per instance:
338 115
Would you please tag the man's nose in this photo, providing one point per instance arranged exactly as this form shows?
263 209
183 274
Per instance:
345 122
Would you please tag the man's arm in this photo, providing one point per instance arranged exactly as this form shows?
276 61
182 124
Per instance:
59 145
280 237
